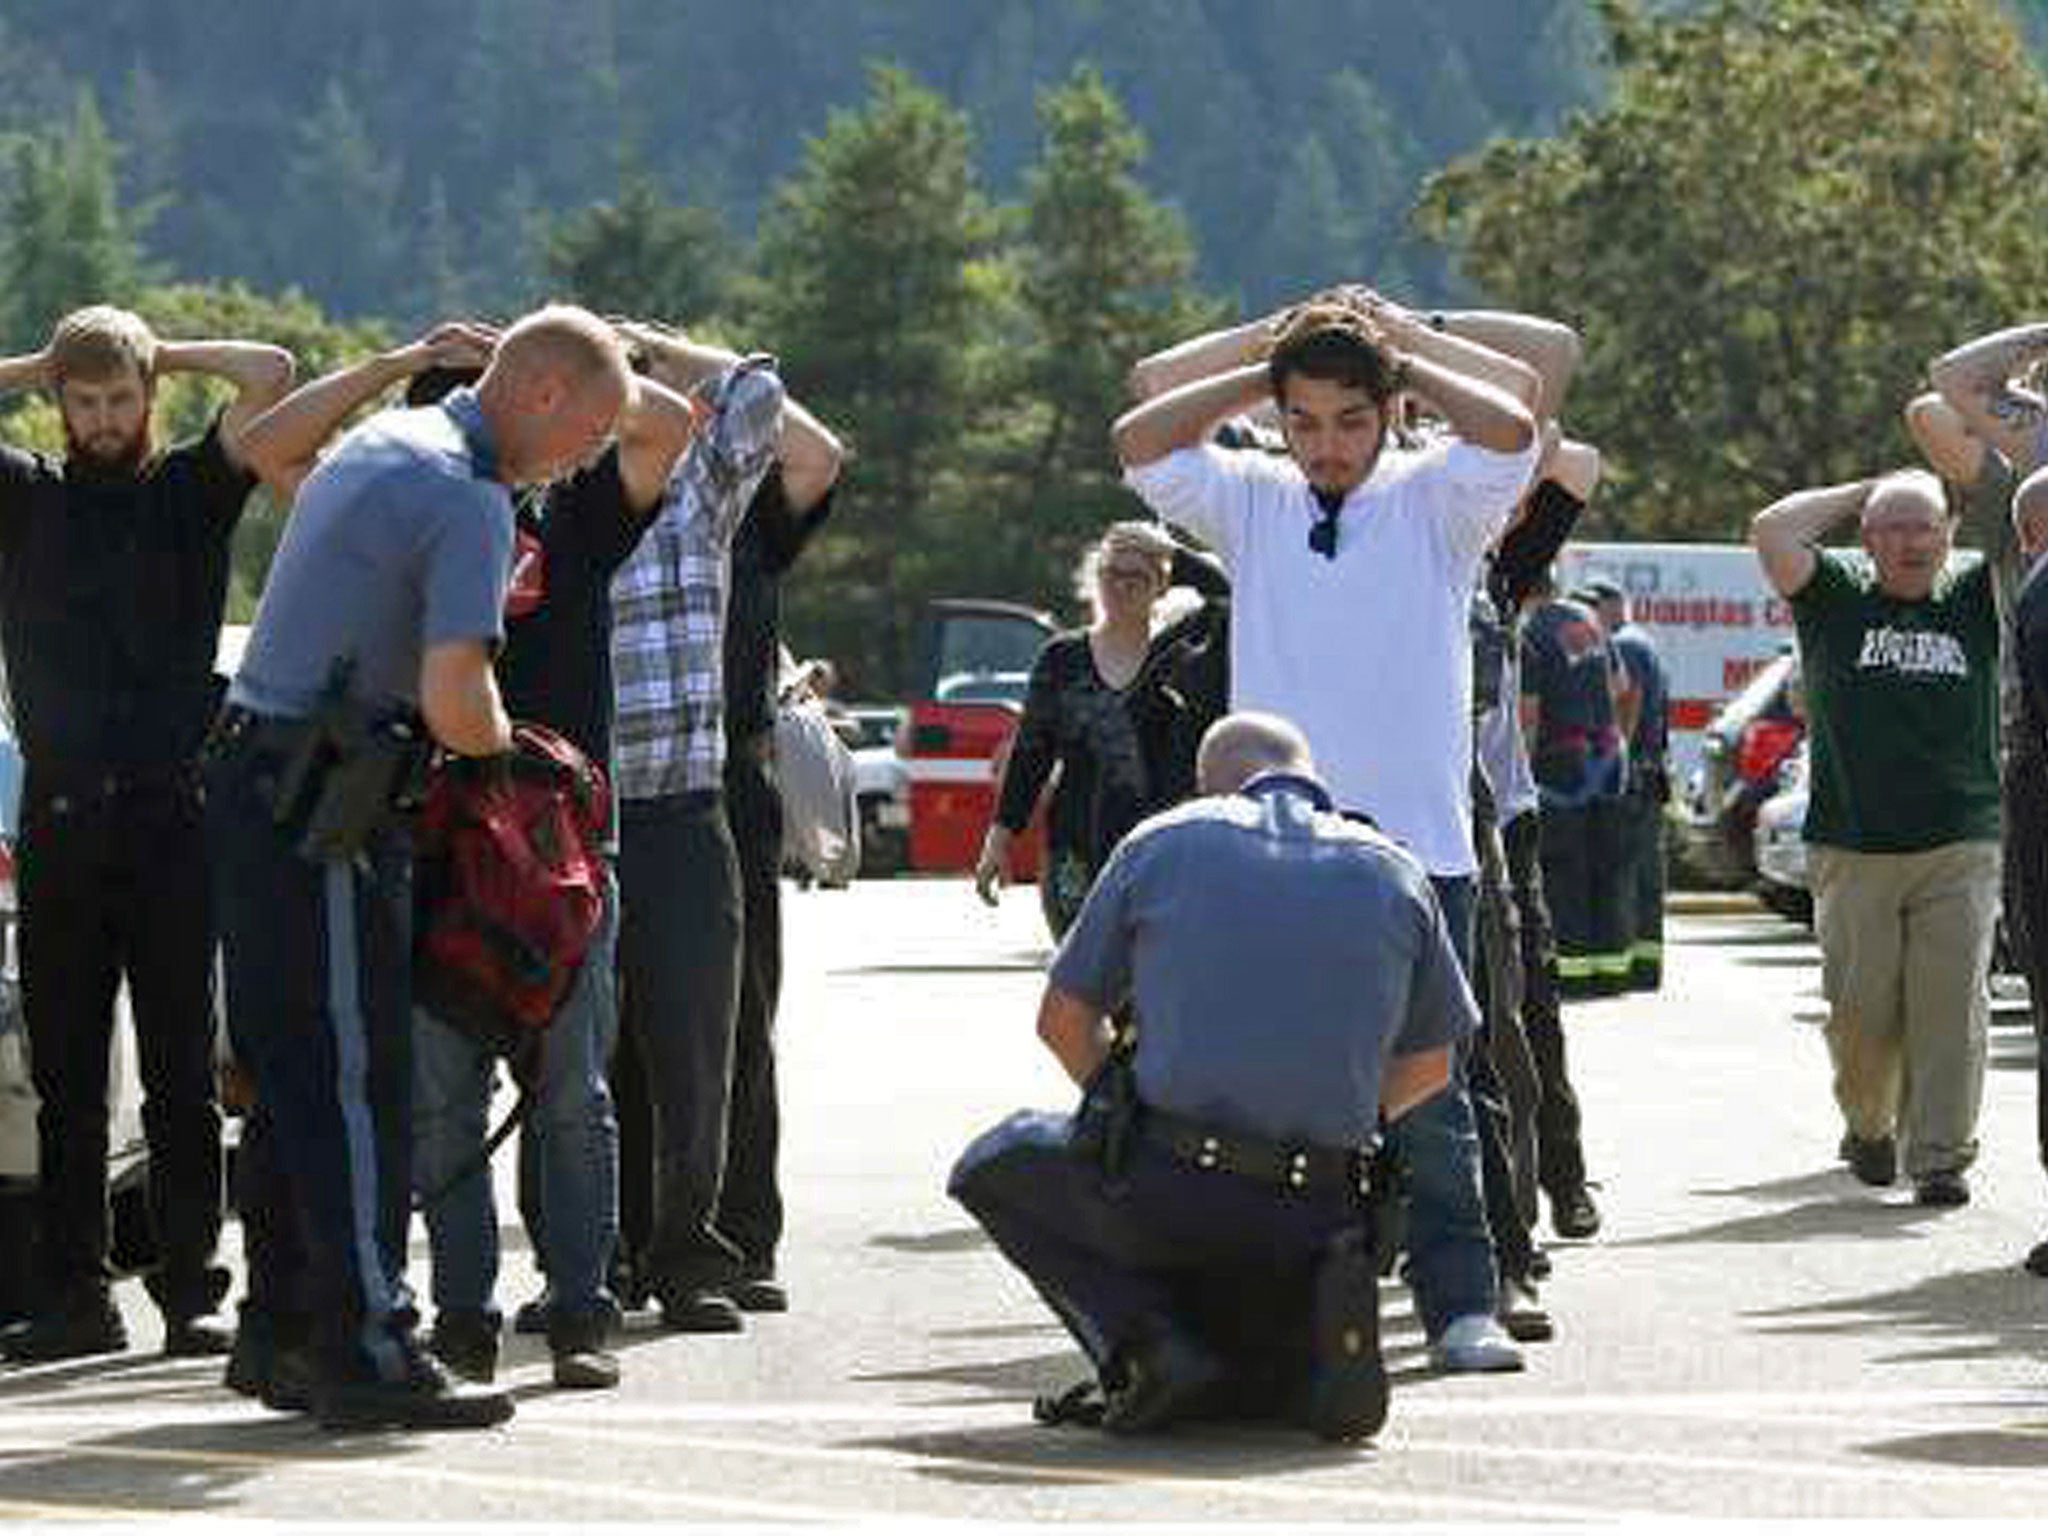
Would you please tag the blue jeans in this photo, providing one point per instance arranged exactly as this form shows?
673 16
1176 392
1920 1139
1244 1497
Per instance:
1450 1247
572 1134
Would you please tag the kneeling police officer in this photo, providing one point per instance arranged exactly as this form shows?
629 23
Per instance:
1203 1226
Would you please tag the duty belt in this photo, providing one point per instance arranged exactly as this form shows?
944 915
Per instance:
236 729
1298 1167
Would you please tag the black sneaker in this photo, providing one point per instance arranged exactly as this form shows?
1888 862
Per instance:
425 1399
466 1341
1873 1159
1945 1187
2036 1261
532 1316
279 1376
1522 1314
187 1338
689 1310
1573 1213
760 1294
1347 1396
581 1361
85 1324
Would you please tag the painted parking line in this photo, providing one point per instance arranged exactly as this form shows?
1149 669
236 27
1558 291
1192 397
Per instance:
1277 1489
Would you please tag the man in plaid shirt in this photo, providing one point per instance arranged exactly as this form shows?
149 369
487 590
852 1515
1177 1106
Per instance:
680 920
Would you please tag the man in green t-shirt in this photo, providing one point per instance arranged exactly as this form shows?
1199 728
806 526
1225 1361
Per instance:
1899 651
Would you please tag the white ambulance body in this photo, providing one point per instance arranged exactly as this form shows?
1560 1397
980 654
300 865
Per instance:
1714 618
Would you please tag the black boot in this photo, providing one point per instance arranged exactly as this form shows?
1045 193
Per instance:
84 1322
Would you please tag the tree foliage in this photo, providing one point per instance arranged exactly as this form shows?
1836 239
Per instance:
68 240
869 287
640 254
1783 210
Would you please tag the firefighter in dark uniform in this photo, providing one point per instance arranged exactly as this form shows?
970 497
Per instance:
113 579
1645 722
1202 1225
1569 682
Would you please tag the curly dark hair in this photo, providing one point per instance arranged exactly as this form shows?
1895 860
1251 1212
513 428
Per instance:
1335 342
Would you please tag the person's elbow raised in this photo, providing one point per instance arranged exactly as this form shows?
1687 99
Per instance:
1135 445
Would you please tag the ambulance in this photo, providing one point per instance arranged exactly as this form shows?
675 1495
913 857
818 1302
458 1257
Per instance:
1715 619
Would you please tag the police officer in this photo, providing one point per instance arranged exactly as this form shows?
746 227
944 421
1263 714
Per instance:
376 631
1294 982
1644 706
113 576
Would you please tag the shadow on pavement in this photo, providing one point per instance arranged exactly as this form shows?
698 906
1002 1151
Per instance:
1847 1215
178 1469
2015 1447
1970 1314
1040 1456
952 1240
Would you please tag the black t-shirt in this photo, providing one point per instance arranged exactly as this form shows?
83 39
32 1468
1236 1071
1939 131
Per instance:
771 536
112 591
556 667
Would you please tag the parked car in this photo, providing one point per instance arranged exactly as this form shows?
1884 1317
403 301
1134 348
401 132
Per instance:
1741 752
1780 839
978 657
881 782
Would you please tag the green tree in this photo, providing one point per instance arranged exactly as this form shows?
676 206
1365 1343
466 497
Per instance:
640 254
872 286
66 240
187 402
1103 278
339 232
1783 209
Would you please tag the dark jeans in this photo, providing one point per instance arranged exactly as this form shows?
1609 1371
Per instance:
319 994
114 886
679 945
1560 1160
1641 831
750 1203
1164 1247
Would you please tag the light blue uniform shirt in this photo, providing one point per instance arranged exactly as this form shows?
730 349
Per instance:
1277 953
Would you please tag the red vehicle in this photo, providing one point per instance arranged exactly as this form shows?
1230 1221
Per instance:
978 655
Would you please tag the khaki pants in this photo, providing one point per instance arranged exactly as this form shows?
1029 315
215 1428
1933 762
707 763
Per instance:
1905 940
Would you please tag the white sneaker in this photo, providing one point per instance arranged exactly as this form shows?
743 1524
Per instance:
1474 1342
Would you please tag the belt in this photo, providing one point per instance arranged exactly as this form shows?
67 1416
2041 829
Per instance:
237 729
1298 1167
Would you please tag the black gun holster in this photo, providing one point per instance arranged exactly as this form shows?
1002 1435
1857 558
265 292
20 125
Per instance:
355 770
1106 1124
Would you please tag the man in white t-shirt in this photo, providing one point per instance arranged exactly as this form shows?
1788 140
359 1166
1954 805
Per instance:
1352 563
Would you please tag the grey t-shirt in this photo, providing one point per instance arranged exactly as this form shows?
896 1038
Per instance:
1277 953
398 542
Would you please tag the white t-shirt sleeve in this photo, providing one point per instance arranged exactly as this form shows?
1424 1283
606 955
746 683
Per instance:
1473 493
1206 491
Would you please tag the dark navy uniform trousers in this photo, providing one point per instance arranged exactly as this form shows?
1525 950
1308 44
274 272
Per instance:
319 995
1227 1260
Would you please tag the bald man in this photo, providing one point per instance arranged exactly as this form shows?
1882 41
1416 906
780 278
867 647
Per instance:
383 608
1295 985
1899 649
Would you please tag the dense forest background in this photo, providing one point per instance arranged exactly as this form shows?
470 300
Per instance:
389 157
958 221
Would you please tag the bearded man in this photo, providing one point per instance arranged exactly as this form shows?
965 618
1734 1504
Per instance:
113 577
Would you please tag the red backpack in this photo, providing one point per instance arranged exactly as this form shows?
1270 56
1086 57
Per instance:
508 886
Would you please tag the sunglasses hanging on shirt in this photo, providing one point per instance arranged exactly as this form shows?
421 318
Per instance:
1322 534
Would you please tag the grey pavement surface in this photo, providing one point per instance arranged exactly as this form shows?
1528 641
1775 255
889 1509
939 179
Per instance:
1751 1335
